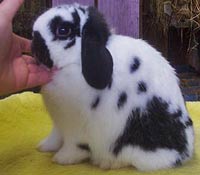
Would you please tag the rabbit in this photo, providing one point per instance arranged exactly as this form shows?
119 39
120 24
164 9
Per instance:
113 99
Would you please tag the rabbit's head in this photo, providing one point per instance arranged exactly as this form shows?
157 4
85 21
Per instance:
74 34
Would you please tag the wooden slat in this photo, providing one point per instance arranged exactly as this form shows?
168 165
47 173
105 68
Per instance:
152 30
84 2
123 15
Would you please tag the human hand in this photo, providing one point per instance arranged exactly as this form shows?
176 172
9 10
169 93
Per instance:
17 71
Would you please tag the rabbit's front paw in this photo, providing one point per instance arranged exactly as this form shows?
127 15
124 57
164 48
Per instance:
50 144
47 145
67 156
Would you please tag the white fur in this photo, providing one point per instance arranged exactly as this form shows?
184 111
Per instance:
151 160
68 98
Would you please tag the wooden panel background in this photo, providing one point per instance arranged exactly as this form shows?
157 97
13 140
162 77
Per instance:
123 15
84 2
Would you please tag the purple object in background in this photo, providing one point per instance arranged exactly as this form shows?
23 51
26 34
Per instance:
84 2
123 15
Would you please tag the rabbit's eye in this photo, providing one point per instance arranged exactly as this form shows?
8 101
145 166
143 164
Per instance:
63 31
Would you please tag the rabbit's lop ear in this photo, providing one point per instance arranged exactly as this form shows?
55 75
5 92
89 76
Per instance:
97 63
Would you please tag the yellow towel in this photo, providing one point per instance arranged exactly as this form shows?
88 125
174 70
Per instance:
24 122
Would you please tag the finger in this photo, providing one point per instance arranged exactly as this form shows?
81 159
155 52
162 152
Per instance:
38 78
29 59
25 44
33 68
10 7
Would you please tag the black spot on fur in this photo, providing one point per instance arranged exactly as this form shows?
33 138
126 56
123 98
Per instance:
95 103
40 50
70 44
97 63
189 123
122 100
57 20
135 65
76 20
84 147
177 163
177 114
142 87
82 9
152 129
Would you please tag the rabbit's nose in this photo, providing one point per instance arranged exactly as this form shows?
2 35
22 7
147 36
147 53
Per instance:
40 50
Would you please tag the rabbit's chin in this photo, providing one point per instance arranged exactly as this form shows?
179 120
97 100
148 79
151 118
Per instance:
52 69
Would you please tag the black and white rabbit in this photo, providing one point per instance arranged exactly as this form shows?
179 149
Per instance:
113 99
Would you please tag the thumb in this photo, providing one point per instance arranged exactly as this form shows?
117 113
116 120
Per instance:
24 43
10 7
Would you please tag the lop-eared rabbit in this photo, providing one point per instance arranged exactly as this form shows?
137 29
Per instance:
113 99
